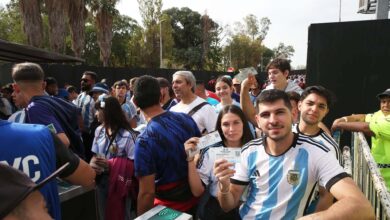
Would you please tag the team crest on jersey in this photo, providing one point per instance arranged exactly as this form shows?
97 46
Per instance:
293 177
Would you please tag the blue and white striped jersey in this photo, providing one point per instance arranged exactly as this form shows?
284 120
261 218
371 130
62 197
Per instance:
87 105
279 186
323 138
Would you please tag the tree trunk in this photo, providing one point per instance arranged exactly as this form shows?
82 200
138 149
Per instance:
76 16
56 11
104 35
32 22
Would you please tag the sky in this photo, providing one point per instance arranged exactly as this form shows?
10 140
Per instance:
290 19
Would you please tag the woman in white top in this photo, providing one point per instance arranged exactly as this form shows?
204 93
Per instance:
113 138
234 131
224 90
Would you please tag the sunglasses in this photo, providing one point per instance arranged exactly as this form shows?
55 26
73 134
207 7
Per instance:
84 80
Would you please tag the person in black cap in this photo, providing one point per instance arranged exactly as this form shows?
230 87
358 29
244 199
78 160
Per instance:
22 196
376 125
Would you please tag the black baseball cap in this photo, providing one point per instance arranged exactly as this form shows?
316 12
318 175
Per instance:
15 186
386 93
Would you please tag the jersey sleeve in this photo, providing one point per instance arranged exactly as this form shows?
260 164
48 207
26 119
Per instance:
95 146
64 155
144 162
329 171
205 166
241 176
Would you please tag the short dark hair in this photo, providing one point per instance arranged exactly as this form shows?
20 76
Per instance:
279 63
146 92
163 82
27 72
246 132
120 84
294 96
321 91
71 89
91 74
50 81
272 95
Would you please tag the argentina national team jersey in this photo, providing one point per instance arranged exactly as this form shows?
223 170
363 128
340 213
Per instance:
279 186
323 138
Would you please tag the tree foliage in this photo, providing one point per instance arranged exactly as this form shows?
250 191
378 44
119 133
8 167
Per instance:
283 51
100 35
150 11
196 39
10 25
244 52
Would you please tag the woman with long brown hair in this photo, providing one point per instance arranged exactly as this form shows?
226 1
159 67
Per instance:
114 138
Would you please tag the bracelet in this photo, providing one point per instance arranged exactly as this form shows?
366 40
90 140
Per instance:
345 118
220 189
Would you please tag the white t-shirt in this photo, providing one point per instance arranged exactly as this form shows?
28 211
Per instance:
205 117
291 87
280 185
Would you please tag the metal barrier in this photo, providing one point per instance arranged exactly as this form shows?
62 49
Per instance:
367 175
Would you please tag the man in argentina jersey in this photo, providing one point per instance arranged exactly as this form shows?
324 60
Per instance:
313 107
282 167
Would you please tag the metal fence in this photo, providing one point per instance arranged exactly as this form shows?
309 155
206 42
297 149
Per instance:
359 162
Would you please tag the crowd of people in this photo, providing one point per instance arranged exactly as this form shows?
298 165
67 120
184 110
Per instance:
133 142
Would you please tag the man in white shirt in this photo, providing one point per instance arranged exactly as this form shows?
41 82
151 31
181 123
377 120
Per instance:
183 85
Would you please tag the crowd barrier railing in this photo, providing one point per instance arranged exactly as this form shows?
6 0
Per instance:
359 162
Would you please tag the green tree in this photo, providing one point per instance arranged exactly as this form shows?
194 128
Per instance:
264 27
266 56
255 28
244 52
150 11
124 28
104 11
10 25
252 26
196 39
211 51
283 51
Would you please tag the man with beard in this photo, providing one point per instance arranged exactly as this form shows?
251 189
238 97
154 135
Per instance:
313 107
204 115
281 168
86 103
